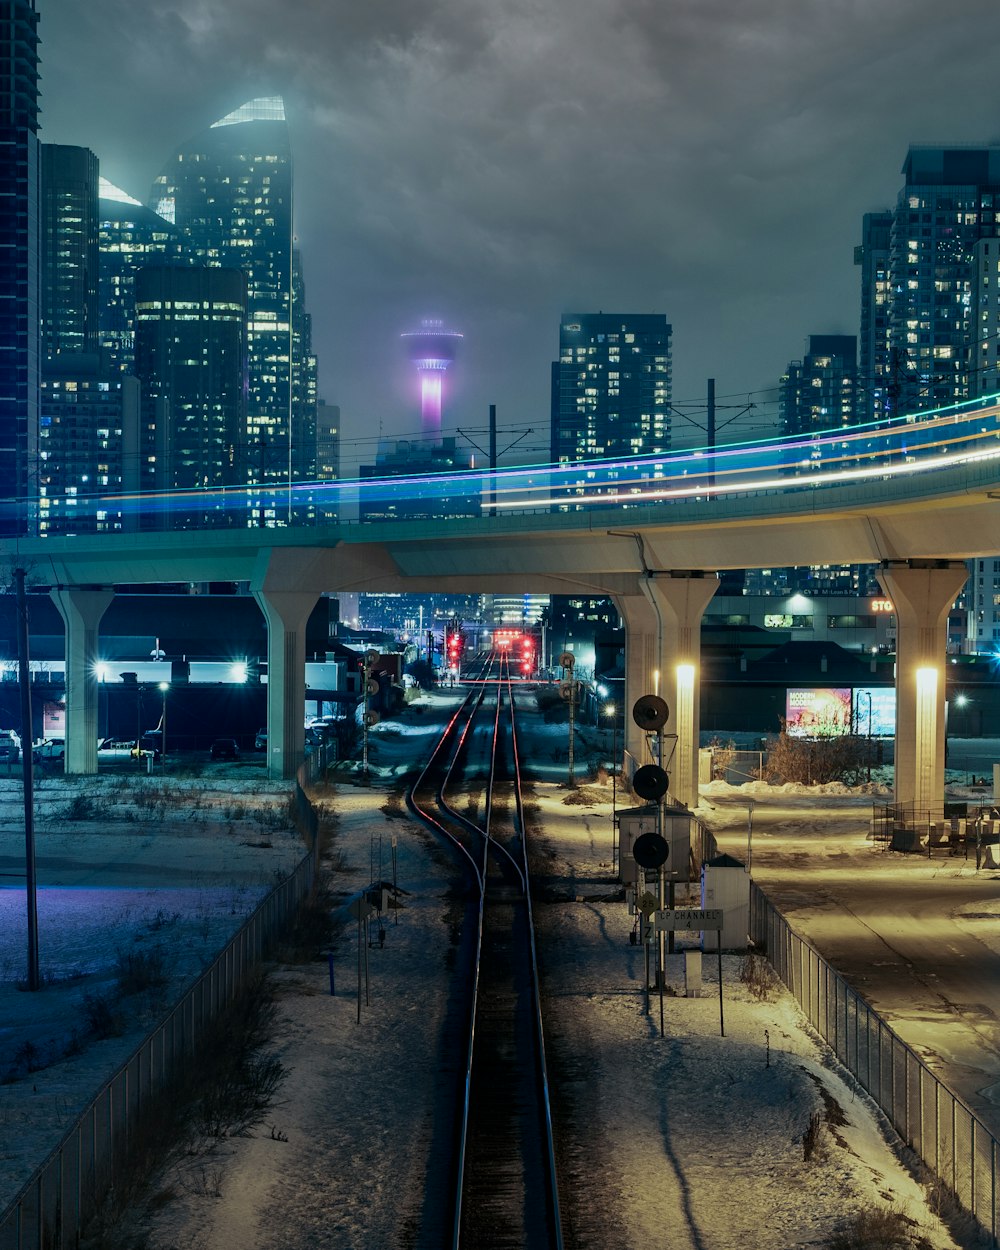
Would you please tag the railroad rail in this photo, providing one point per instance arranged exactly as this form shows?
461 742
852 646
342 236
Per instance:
502 1184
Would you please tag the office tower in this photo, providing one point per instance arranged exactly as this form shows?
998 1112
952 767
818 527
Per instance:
819 392
131 236
229 192
875 364
611 387
89 422
18 261
69 248
431 350
191 357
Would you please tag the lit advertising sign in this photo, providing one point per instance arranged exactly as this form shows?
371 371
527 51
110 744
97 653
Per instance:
818 713
875 712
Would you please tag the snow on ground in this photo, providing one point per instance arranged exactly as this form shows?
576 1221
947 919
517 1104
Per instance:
121 874
692 1140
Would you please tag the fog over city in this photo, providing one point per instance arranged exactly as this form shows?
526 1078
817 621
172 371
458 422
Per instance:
495 165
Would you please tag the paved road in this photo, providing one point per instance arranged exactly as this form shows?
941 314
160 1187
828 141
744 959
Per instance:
918 938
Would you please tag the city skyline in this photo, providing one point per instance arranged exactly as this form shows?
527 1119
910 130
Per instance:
499 167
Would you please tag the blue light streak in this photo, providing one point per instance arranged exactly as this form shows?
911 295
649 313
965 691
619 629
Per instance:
928 442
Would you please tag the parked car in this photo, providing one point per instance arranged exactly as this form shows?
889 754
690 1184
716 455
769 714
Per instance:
123 749
225 749
260 741
10 747
49 751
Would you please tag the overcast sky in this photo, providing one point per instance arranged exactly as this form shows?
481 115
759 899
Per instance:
497 163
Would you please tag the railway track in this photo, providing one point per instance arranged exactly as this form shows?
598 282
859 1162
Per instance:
499 1185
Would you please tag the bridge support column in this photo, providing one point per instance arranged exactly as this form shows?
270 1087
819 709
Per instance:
81 611
680 599
283 586
922 592
663 656
642 663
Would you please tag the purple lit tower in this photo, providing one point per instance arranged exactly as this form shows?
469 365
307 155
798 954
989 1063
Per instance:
431 349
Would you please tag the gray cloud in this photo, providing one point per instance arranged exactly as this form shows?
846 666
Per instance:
498 163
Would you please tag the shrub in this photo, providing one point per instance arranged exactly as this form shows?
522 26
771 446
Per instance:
812 1138
873 1228
81 807
103 1015
138 970
808 761
758 976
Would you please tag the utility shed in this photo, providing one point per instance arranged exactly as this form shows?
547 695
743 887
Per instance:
725 884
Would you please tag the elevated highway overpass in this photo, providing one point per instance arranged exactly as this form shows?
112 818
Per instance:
916 498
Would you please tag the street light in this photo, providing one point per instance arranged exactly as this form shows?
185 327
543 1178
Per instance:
164 687
868 751
610 710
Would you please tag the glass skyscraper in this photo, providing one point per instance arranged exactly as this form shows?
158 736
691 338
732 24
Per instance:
191 360
69 250
229 192
131 236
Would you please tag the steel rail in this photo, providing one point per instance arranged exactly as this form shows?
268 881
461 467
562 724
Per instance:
543 1071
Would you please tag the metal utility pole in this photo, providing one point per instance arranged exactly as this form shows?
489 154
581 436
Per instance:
27 767
710 427
491 455
493 459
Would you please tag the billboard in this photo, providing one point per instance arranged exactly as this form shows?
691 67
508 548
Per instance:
818 713
875 712
825 712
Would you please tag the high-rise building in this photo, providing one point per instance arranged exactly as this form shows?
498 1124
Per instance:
69 244
327 459
876 389
940 335
19 172
229 192
819 392
938 321
191 358
87 444
131 236
611 387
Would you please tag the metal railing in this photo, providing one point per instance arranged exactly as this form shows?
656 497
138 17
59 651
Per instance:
934 1122
53 1207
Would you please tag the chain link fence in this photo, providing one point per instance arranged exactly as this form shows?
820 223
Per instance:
928 1117
55 1205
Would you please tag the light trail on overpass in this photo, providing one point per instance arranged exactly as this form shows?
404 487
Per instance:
924 443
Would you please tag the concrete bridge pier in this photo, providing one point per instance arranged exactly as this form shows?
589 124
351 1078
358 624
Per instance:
667 629
922 593
81 611
286 586
642 664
